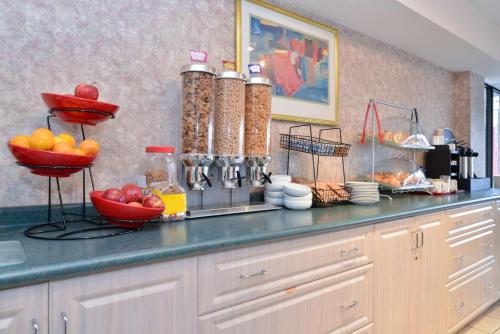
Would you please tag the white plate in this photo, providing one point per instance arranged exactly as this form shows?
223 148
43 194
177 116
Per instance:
353 183
275 186
273 194
281 178
295 189
274 201
295 198
297 205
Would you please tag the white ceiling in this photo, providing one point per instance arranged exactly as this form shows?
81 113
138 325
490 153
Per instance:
459 35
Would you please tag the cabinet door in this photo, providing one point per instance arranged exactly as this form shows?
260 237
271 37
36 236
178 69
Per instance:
428 279
393 258
21 308
497 247
154 299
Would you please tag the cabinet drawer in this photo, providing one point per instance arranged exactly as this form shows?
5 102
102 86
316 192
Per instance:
338 304
466 218
467 250
232 277
470 293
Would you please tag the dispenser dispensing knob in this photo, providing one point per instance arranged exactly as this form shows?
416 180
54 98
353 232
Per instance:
266 178
206 179
239 177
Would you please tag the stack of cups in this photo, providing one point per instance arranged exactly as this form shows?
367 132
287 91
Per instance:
274 191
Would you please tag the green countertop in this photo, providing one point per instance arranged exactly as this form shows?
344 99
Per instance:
52 260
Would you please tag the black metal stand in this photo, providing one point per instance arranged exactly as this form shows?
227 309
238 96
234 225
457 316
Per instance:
84 226
317 147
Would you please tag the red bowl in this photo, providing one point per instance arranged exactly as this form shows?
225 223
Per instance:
58 101
46 159
114 210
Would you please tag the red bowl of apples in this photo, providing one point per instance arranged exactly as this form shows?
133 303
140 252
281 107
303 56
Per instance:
127 207
85 99
48 163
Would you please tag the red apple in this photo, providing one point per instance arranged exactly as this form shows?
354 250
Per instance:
153 201
85 91
136 204
113 194
132 193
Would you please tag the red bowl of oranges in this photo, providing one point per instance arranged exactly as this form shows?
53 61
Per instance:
127 207
48 155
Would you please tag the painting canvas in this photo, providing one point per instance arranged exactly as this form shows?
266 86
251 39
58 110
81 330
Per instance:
296 64
298 55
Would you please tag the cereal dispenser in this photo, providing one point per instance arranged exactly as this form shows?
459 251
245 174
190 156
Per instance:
197 123
229 127
258 93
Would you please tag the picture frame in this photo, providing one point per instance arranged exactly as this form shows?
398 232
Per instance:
298 55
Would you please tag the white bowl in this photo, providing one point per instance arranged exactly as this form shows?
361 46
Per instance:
273 194
297 205
281 178
275 186
295 189
295 198
274 201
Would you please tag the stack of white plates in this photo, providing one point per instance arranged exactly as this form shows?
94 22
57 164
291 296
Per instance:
274 191
297 196
364 193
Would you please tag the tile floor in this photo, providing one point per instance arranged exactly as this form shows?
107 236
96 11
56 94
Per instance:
487 323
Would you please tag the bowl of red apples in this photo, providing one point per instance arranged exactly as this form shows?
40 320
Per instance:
127 206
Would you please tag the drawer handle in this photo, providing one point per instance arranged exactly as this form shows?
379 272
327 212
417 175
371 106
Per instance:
460 222
489 286
460 305
260 273
349 251
489 245
353 304
459 258
36 328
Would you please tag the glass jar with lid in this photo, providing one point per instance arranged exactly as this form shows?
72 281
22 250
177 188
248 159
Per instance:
159 176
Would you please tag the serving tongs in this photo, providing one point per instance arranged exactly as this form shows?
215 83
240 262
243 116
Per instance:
417 139
380 134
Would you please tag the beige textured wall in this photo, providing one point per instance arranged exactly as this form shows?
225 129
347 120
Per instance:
135 50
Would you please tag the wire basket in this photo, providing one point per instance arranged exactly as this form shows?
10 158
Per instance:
323 197
314 145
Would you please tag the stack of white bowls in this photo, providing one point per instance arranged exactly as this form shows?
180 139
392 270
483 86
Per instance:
364 193
297 196
274 191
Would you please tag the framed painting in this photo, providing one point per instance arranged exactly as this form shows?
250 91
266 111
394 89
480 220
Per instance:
298 55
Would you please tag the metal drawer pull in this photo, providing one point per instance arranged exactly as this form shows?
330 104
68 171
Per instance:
460 305
354 303
460 222
65 319
260 273
34 323
490 245
459 258
490 286
349 251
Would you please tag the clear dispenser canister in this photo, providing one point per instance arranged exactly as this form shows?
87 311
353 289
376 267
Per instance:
197 108
229 127
258 93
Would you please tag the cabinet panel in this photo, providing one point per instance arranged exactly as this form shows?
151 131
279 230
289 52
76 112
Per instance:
232 277
393 259
365 330
462 219
470 294
497 246
336 304
154 299
19 306
428 278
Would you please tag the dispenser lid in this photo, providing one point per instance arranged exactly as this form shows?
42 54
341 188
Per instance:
259 81
198 67
160 149
231 75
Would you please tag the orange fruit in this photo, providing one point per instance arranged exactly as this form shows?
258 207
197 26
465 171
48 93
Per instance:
90 146
65 138
21 140
42 131
78 151
42 140
63 148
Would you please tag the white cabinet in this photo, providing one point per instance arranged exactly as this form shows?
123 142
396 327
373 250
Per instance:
497 247
154 299
24 310
409 276
340 304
